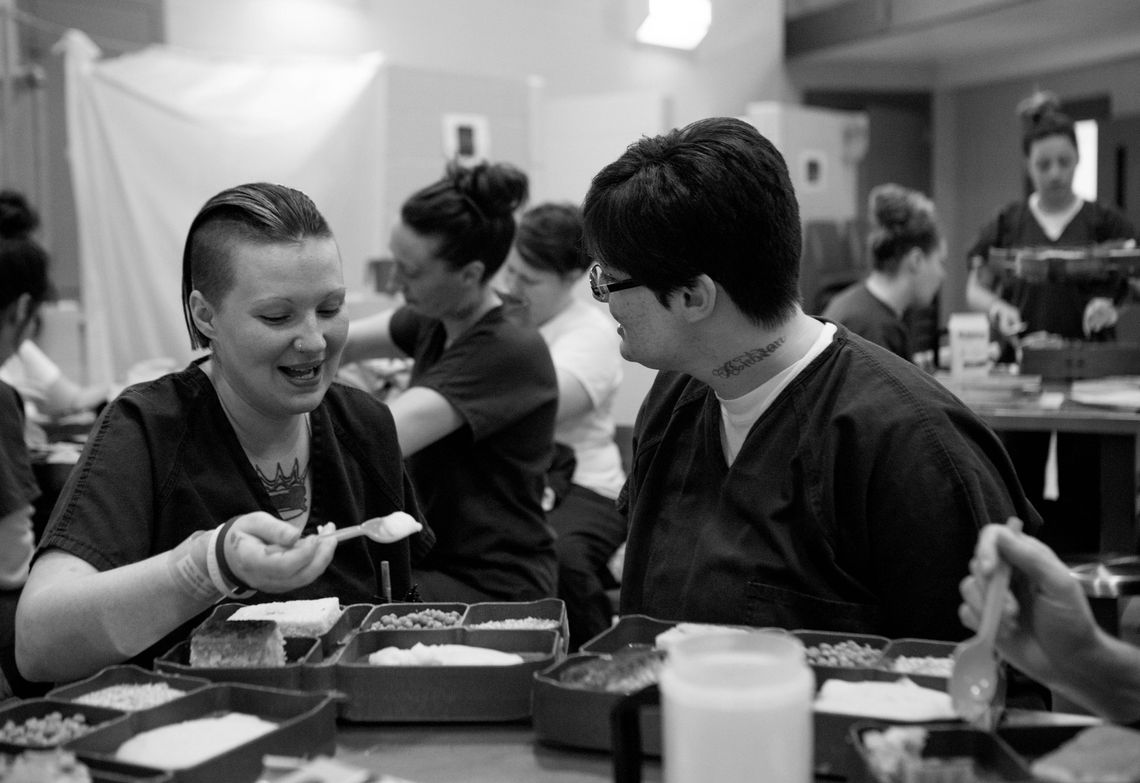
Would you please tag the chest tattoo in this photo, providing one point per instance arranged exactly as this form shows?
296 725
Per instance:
287 490
739 364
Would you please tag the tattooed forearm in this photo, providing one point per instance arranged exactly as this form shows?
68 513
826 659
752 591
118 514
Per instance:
740 363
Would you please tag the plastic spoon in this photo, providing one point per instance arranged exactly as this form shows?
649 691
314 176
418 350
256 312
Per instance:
975 676
384 530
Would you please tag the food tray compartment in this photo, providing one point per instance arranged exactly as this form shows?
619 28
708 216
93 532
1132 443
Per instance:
350 617
578 716
21 712
406 610
319 674
907 657
813 641
992 759
300 652
377 693
509 616
124 675
306 726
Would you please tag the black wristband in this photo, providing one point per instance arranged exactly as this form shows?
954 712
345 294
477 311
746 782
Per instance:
223 566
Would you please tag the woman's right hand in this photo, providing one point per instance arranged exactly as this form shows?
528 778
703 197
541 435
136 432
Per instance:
269 554
1006 318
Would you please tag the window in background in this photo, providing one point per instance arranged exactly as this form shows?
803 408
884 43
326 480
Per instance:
1084 179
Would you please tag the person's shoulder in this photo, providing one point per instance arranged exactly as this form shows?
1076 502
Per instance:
350 403
865 374
844 302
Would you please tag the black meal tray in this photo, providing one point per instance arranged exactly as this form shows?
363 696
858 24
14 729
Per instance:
375 693
21 711
306 726
128 674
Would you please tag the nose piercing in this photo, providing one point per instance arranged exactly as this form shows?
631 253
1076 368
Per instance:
298 346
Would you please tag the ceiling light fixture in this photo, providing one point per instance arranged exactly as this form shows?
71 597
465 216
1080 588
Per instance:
678 24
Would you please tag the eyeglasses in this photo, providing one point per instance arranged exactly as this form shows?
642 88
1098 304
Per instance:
601 287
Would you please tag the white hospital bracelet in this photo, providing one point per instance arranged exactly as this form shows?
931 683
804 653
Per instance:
216 571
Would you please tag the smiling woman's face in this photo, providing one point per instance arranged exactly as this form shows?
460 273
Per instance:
278 333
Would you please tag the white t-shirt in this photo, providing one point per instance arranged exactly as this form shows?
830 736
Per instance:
30 372
585 345
739 414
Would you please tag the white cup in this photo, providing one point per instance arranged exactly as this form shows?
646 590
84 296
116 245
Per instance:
736 708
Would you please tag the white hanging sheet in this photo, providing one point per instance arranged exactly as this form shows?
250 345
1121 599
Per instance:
156 133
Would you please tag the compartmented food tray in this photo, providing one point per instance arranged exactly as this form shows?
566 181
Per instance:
36 724
547 614
925 661
60 762
835 655
947 753
305 725
124 679
411 693
300 653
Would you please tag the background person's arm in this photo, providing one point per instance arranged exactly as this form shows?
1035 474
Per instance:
370 338
17 541
422 416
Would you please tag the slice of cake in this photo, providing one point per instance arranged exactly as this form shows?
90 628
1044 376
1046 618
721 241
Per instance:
237 644
311 618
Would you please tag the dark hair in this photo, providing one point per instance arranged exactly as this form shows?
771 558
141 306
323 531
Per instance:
23 261
550 238
1041 117
711 198
471 210
901 219
257 213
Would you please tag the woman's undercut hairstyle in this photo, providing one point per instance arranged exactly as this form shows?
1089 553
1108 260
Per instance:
1041 117
23 261
711 198
550 238
257 213
471 211
901 220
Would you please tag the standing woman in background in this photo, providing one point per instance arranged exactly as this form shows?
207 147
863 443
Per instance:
476 423
24 285
907 254
1053 214
545 265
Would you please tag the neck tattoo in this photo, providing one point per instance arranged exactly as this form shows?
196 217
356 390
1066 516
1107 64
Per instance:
287 490
739 364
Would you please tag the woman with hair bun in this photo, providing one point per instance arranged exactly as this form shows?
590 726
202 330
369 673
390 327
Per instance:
476 423
907 254
1053 214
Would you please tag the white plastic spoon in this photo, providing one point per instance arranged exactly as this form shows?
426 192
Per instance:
384 530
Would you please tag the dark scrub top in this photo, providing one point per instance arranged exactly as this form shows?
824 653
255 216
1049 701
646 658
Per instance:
163 461
853 505
1053 306
860 311
481 486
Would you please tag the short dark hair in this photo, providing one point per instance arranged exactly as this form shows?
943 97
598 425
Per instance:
23 261
711 198
257 213
1041 117
550 238
471 210
901 219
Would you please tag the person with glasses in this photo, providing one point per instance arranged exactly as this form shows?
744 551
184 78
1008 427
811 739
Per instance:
544 268
785 472
476 423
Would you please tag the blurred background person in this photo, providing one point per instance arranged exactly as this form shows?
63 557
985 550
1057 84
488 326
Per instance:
542 271
1052 215
907 256
476 423
24 286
